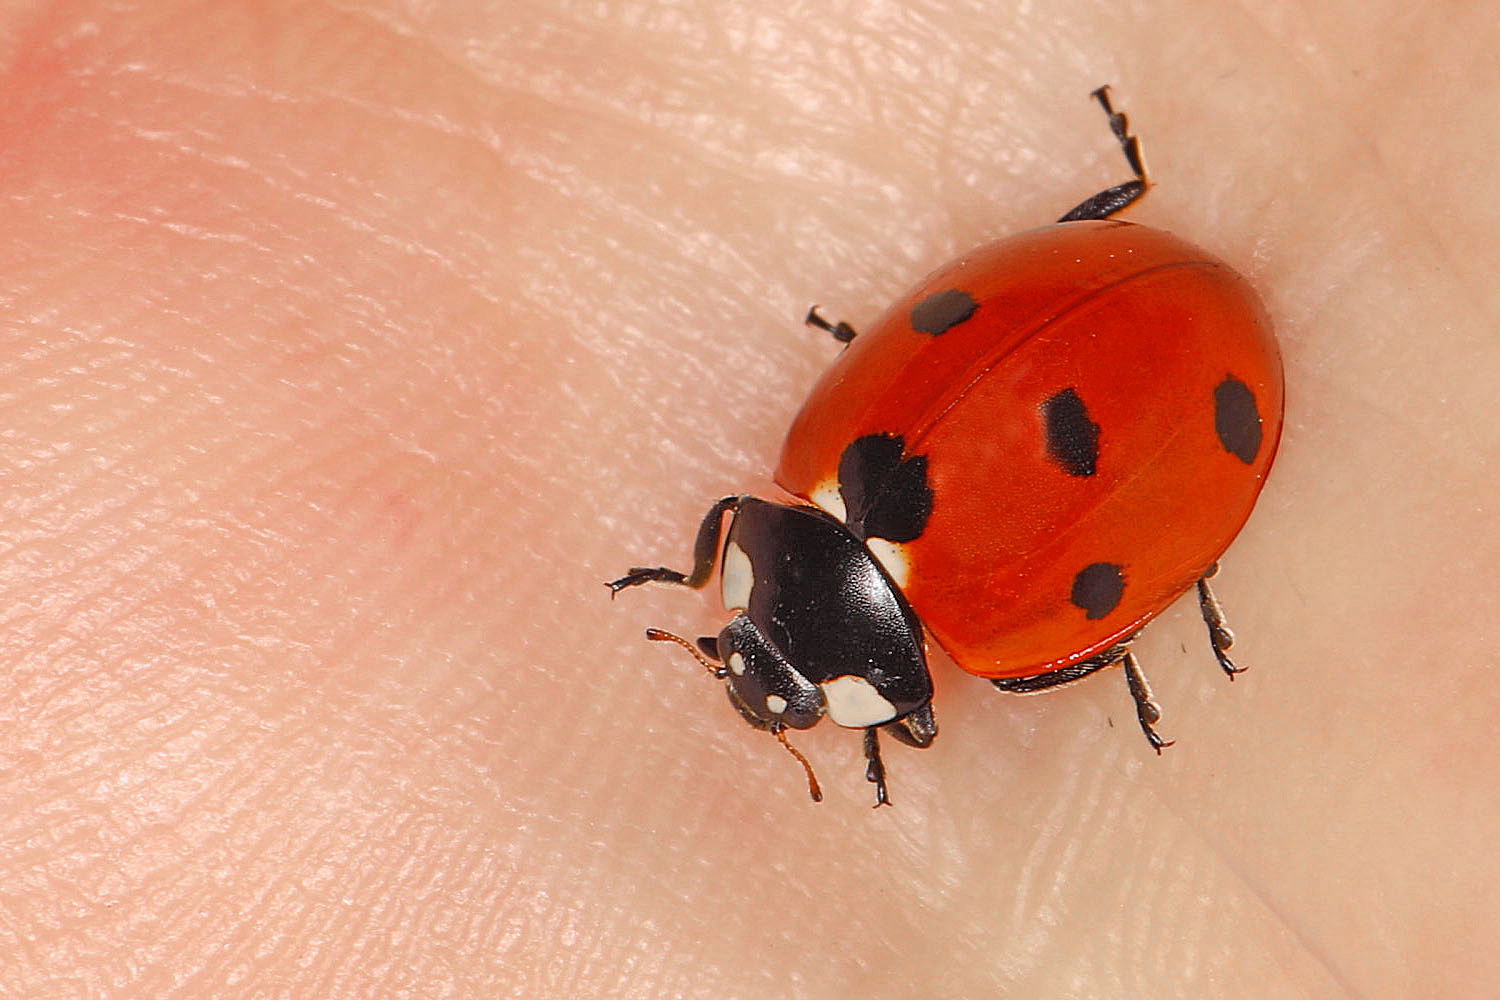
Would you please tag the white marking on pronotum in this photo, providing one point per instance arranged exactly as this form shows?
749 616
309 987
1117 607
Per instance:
737 579
854 703
826 495
737 664
892 558
776 703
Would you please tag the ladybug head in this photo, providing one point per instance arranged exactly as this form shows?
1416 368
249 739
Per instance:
762 686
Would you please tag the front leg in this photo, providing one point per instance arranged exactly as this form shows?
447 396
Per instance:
875 767
705 554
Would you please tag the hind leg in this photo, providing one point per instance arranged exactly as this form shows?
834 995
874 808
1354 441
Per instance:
1111 200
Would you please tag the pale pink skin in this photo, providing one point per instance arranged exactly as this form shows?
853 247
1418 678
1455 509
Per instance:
347 352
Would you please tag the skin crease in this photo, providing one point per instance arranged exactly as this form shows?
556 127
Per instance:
349 348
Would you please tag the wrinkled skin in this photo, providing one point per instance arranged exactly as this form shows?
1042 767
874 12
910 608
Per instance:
348 349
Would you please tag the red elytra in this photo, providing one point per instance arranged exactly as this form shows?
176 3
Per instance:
1145 330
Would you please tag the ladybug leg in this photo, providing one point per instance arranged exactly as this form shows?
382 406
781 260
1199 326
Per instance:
1147 712
1111 200
1219 634
916 729
705 553
841 331
875 767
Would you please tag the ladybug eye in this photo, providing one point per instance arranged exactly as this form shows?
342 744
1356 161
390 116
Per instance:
885 491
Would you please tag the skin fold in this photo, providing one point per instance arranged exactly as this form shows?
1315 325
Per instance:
348 349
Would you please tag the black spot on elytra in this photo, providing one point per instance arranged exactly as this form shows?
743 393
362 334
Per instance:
942 311
1072 438
885 491
1236 419
1097 589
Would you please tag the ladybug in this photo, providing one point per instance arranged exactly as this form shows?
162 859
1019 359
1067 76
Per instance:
1024 460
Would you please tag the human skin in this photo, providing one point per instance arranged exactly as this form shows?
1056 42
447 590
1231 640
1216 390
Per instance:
348 349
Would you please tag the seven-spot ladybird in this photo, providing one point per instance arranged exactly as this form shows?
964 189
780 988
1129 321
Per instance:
1027 458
